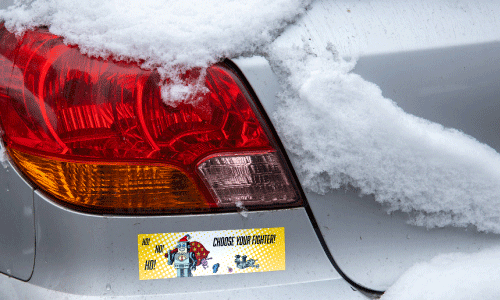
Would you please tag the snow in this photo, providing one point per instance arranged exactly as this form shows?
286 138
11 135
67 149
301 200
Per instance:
3 154
3 157
381 27
453 276
170 35
339 127
344 132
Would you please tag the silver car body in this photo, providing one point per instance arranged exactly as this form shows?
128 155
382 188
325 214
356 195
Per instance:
341 242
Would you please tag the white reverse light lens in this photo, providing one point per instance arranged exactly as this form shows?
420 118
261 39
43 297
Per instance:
250 179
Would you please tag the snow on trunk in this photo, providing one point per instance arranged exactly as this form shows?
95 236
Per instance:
344 132
171 36
340 127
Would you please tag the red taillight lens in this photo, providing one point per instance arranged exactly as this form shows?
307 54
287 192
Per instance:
96 134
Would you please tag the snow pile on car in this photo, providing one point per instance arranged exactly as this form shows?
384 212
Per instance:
454 276
340 127
344 132
3 157
169 35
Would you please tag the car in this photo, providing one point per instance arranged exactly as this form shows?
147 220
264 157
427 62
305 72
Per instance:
107 192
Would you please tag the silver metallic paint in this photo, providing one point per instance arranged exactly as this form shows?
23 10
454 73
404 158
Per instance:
334 289
368 244
457 87
371 247
82 254
17 229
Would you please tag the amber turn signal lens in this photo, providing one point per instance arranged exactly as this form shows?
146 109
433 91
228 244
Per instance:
111 187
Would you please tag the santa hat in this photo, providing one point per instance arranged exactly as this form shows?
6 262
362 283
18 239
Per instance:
185 238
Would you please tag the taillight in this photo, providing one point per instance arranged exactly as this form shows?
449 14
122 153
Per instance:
96 135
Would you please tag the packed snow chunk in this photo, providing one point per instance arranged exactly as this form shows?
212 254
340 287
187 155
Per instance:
3 157
455 276
170 35
344 132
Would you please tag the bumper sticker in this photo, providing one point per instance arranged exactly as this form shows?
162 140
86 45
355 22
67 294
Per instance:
204 253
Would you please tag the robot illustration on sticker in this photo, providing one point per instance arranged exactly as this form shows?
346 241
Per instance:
187 256
242 262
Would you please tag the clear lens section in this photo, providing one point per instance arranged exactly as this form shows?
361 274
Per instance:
257 179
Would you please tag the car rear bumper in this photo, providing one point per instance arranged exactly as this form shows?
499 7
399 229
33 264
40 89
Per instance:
337 288
84 256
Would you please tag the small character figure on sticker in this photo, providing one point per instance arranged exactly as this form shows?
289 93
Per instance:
215 268
204 262
187 256
243 263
